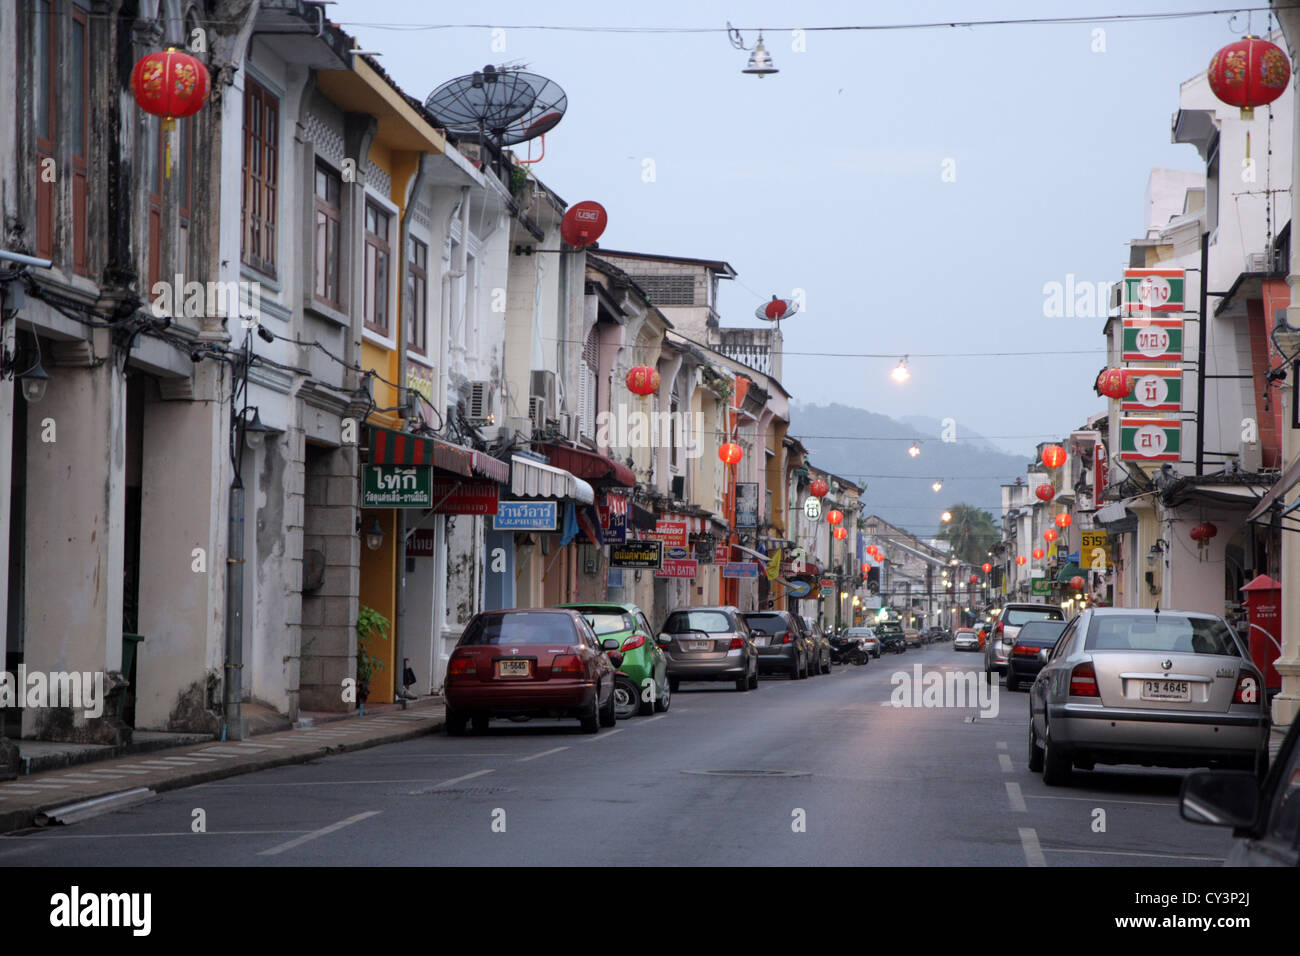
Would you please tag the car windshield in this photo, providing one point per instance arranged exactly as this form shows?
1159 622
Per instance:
1017 616
710 622
519 628
1041 631
1171 633
766 623
609 622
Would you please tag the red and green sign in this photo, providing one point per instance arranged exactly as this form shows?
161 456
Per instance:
1147 340
1153 290
1150 439
1154 390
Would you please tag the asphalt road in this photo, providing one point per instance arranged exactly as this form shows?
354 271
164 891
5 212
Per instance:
822 771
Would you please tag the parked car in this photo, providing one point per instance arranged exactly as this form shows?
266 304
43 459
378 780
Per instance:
1027 658
891 636
1265 816
1157 688
645 689
820 645
868 638
965 639
710 643
935 634
1003 632
782 646
530 662
912 636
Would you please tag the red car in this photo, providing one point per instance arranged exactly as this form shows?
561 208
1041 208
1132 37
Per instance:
530 662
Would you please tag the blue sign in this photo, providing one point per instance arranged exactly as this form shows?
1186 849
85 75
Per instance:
678 553
797 589
740 569
615 578
525 516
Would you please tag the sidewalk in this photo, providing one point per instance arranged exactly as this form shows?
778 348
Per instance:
176 767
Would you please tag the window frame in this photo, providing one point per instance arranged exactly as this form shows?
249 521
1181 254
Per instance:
417 296
266 190
47 139
80 161
384 247
321 207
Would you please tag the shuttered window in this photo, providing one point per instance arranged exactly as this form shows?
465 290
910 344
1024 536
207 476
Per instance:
587 386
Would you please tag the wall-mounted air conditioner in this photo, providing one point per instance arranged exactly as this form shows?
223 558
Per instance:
542 385
537 412
484 406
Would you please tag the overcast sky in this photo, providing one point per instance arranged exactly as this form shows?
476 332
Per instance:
829 176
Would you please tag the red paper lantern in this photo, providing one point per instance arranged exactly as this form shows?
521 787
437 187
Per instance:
1248 73
819 488
1063 520
172 85
987 567
866 566
834 517
1053 456
1204 531
1038 554
974 579
1021 559
730 453
1045 492
643 380
1050 535
1113 383
840 533
1077 583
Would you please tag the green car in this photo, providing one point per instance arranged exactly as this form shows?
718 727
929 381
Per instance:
641 686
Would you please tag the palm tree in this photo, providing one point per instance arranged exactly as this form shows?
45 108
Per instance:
970 533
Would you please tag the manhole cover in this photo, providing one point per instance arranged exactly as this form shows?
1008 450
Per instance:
751 773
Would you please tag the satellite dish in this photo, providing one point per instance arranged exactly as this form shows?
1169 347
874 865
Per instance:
583 224
506 106
777 309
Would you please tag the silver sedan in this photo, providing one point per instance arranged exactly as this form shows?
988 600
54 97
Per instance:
1157 688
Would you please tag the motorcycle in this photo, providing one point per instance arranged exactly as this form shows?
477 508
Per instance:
848 650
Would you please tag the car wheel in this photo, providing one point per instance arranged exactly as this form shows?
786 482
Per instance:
826 667
1012 683
662 700
480 722
1056 763
742 683
674 684
456 721
609 713
627 699
591 722
753 679
1035 755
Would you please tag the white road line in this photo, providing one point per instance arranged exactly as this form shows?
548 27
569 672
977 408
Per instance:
1002 745
1135 803
653 719
261 745
323 831
18 792
604 736
544 753
468 776
1015 796
1157 856
1033 852
48 786
103 775
1005 761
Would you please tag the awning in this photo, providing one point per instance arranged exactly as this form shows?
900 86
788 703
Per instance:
533 479
391 447
694 523
1278 491
588 465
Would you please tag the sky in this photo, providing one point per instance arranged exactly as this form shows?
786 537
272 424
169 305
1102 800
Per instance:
920 186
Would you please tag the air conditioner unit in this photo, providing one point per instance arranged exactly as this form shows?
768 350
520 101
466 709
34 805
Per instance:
1258 262
543 386
563 419
1251 457
513 426
483 407
537 411
575 428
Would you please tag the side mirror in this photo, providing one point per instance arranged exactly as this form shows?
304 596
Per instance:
1221 798
610 644
616 659
663 640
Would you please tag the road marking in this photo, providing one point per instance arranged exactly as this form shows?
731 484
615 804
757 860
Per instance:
468 776
1158 856
1015 796
18 791
49 786
1002 745
592 740
1033 852
1136 803
653 719
323 831
1005 761
544 753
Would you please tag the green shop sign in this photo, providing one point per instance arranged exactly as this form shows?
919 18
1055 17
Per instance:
397 486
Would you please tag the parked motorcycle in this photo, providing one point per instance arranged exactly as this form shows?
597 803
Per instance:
848 650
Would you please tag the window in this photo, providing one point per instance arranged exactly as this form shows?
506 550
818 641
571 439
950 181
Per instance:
44 61
328 228
417 297
519 628
79 94
185 199
587 376
378 224
156 141
261 177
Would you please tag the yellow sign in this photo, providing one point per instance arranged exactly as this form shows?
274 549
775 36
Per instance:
774 565
1094 551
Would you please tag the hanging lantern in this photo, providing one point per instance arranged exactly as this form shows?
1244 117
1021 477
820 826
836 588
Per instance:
987 567
866 566
974 579
819 488
1113 383
1202 534
1053 456
730 453
834 517
1038 554
1045 492
1063 520
1021 559
1050 535
172 85
1077 582
1248 73
643 381
840 533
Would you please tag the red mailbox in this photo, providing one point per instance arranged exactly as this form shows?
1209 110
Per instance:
1264 610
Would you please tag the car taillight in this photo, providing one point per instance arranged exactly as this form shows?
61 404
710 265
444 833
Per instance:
1247 690
736 644
567 665
788 638
1083 681
461 667
633 642
1024 650
997 629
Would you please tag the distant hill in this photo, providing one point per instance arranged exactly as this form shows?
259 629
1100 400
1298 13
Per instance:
870 448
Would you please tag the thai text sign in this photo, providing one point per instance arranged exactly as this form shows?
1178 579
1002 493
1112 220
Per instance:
525 516
397 486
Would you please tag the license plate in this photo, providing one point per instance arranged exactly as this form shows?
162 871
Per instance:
514 668
1166 690
760 641
699 645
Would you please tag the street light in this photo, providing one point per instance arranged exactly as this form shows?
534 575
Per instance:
946 517
900 374
374 536
914 450
937 486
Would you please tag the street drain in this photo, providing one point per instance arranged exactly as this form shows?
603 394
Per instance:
751 773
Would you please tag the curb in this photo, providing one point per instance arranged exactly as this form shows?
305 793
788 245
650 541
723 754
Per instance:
25 818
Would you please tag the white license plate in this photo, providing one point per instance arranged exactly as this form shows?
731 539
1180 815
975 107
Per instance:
760 640
1166 690
514 668
699 645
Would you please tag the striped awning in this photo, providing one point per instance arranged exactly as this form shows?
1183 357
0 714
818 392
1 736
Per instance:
533 479
391 447
694 523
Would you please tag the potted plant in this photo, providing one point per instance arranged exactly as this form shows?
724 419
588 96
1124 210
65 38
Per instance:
370 624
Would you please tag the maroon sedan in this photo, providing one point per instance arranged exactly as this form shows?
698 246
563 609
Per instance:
531 662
